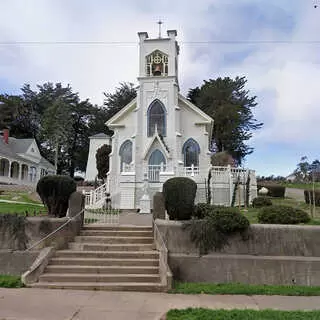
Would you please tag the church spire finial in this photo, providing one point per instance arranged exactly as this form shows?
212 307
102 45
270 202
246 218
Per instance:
159 23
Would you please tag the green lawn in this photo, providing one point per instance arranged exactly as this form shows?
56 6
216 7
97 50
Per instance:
246 289
207 314
19 196
7 281
22 208
252 213
300 185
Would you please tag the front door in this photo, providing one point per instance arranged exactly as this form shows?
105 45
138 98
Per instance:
157 162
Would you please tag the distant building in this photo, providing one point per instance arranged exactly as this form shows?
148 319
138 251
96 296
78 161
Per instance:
96 141
21 162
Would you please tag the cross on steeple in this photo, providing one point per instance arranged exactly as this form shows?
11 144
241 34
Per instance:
159 23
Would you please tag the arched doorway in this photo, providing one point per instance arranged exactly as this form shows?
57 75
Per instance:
4 167
156 164
14 173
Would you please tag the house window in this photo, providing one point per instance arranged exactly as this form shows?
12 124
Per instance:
157 163
125 154
191 151
156 119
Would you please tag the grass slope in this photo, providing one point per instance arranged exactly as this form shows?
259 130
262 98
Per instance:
207 314
7 281
246 289
21 208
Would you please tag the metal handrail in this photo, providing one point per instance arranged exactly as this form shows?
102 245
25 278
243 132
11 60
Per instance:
55 231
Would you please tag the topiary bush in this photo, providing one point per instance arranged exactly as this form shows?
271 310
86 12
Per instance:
54 192
260 202
218 225
280 214
201 210
309 200
179 194
275 190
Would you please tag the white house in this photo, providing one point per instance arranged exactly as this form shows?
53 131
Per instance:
159 134
21 162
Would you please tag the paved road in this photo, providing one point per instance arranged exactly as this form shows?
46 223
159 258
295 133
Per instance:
40 304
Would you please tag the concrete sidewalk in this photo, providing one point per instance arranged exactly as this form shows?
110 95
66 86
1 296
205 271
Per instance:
40 304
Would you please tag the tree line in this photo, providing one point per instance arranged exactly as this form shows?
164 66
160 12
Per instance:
61 122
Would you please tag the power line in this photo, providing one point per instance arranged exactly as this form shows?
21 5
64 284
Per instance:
133 43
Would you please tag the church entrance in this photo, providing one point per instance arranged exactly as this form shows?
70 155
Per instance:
156 164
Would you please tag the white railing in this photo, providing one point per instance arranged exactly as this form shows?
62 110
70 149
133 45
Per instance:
128 167
154 172
108 216
165 272
191 171
97 197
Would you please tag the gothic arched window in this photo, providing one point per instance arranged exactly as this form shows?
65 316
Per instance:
156 118
157 162
157 64
125 154
191 151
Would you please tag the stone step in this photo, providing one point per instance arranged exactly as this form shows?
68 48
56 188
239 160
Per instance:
116 233
79 277
114 239
115 269
108 254
106 227
104 262
110 247
110 286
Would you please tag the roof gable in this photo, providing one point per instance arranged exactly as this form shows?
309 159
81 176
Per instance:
121 114
205 118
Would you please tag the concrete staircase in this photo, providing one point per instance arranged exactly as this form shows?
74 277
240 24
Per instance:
106 258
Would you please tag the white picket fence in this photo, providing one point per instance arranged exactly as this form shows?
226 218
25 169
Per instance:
105 216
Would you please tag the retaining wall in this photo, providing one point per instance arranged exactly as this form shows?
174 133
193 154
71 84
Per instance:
272 254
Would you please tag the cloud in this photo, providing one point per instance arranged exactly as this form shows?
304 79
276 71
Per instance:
284 77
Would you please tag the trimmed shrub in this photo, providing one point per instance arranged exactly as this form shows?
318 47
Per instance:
260 202
317 197
201 210
54 192
282 215
218 225
275 190
179 194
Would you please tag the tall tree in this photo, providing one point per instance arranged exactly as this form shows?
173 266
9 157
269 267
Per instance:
228 102
102 160
114 102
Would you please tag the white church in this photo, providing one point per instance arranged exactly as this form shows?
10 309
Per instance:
159 134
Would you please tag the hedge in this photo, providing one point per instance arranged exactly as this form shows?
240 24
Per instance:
179 194
279 214
274 190
54 191
260 202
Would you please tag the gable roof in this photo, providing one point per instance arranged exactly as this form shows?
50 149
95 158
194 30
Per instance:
20 146
118 115
206 119
163 146
99 136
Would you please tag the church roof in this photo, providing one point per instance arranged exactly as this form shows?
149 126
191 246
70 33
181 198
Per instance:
99 136
123 111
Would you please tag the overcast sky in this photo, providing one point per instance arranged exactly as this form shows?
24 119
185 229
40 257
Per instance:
274 43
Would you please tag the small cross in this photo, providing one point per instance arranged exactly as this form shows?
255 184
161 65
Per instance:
159 23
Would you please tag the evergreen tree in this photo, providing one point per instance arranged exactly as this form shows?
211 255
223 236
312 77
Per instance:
228 102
